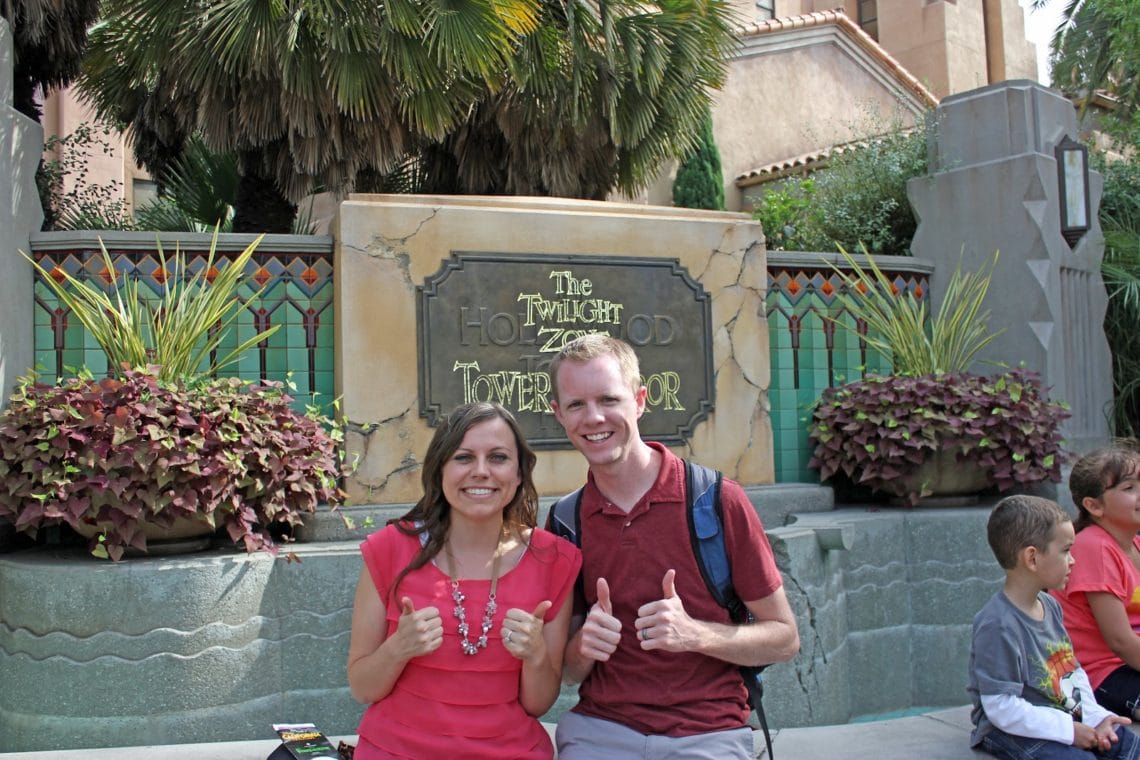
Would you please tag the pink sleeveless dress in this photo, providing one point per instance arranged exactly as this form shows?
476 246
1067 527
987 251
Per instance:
447 704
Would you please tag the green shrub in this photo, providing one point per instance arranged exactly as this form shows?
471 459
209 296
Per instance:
861 196
785 213
198 193
1120 220
109 456
700 181
858 199
69 201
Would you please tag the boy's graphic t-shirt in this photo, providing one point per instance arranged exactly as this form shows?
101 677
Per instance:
1099 566
1011 653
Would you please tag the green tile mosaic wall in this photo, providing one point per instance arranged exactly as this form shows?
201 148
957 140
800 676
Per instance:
809 352
296 286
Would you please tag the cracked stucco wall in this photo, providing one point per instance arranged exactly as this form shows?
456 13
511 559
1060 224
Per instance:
387 245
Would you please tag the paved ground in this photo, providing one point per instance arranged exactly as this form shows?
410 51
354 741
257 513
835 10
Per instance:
941 735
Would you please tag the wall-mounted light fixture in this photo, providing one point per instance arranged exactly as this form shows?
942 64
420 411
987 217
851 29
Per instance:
1073 180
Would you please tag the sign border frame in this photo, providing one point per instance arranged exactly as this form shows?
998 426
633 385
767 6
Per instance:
455 263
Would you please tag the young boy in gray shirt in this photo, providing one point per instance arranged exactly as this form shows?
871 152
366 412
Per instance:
1031 697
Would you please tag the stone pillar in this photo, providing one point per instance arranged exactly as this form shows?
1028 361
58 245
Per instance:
387 245
993 186
21 143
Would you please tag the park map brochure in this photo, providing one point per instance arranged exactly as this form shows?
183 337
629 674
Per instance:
302 741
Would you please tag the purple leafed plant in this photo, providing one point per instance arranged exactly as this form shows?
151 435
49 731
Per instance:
881 429
113 454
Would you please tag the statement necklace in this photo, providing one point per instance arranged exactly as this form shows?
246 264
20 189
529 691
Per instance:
472 647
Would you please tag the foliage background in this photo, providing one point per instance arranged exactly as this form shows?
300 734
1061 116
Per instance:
1120 221
858 200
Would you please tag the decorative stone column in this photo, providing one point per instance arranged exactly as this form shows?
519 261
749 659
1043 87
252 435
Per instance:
993 185
21 143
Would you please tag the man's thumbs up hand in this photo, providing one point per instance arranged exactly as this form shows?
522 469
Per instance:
601 632
664 624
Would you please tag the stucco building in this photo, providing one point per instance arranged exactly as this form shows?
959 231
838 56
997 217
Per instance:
948 45
811 76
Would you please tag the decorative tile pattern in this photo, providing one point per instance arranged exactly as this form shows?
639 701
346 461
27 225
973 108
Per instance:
296 291
810 352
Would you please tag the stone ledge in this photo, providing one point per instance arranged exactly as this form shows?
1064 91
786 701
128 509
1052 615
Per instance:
223 644
153 650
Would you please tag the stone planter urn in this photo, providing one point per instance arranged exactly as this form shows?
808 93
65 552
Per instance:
949 482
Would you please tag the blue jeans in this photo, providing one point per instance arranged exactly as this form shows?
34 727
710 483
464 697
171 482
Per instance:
1010 747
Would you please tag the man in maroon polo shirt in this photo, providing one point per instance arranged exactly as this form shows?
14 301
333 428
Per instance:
656 656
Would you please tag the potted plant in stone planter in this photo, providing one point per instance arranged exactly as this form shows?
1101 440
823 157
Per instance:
931 428
164 445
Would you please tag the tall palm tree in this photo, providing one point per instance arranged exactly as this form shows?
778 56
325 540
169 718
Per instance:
48 40
565 97
1097 47
600 95
306 92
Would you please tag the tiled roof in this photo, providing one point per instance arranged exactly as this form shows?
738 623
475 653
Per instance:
839 18
800 164
803 163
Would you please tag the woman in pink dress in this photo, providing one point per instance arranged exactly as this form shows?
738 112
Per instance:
461 612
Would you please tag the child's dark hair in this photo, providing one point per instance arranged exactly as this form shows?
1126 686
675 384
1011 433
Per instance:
1098 471
1020 521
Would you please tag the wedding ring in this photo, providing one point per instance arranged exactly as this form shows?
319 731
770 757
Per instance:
645 634
507 638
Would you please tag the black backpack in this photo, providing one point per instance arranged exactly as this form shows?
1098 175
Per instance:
707 537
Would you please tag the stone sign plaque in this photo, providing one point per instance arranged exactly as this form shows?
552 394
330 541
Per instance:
488 325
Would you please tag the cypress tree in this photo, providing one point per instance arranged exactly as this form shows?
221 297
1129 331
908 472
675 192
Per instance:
700 182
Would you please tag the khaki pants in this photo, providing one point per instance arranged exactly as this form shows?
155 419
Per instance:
581 737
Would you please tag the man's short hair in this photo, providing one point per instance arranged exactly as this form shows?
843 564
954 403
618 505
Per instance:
591 346
1020 521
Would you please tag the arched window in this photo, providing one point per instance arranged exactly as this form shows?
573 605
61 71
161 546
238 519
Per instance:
765 9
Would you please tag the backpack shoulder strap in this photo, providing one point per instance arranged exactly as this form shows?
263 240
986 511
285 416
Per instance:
563 519
706 532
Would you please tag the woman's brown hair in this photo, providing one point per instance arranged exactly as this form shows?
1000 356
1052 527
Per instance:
432 513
